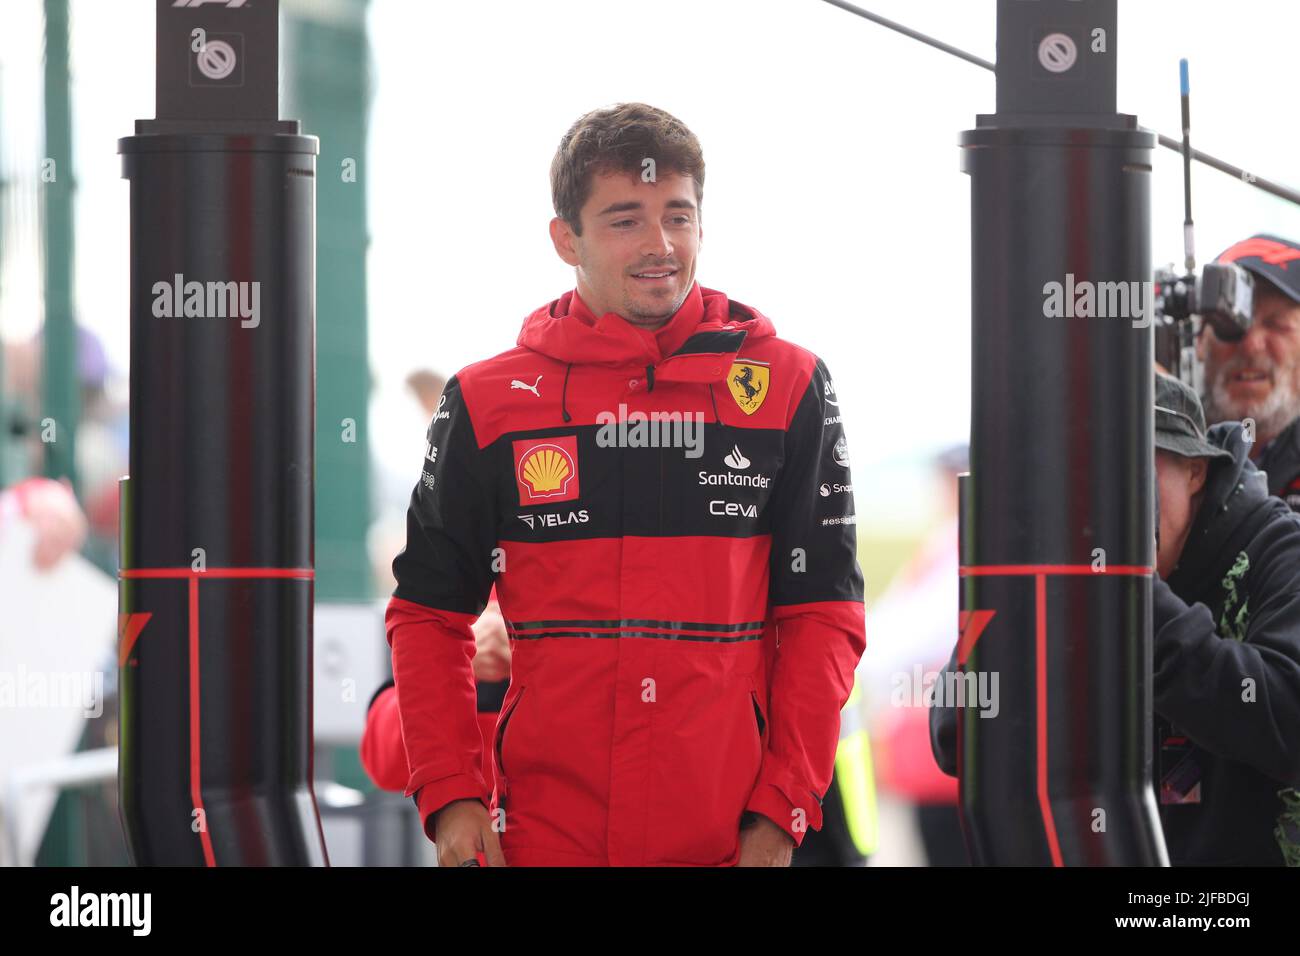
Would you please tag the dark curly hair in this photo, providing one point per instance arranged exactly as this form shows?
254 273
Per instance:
618 139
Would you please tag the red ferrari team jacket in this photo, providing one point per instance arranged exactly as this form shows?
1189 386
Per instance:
668 520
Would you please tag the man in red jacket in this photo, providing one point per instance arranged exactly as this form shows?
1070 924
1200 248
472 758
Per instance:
659 489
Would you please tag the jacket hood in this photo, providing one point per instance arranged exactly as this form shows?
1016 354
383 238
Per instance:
1234 503
707 323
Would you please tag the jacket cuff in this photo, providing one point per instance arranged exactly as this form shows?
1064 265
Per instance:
772 801
433 796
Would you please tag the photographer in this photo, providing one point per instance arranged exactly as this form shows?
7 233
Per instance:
1257 378
1226 661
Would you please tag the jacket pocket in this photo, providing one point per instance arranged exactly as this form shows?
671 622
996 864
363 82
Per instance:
758 715
499 741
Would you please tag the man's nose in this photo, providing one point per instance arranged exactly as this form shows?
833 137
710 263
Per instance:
1253 343
657 243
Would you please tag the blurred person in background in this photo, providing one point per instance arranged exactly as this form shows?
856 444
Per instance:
101 433
427 386
52 510
913 629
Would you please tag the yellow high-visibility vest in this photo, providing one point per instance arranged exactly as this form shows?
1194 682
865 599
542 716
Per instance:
855 776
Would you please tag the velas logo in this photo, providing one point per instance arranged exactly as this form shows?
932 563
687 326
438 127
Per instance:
546 469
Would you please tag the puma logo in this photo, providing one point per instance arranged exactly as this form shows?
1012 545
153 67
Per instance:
515 383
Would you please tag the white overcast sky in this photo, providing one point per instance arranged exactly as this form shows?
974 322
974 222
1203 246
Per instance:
833 203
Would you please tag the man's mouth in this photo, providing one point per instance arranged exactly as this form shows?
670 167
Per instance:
654 275
1249 376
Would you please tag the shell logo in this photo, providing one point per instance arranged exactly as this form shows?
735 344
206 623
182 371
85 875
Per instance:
547 470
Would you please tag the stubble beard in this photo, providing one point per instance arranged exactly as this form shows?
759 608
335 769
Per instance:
1271 416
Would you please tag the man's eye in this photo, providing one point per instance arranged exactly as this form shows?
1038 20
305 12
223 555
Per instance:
623 222
682 220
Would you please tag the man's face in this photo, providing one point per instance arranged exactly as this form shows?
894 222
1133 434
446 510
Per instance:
1178 481
1258 376
636 255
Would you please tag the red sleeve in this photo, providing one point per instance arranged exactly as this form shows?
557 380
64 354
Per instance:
816 595
444 576
437 704
819 647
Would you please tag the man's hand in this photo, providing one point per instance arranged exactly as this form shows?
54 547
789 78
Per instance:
765 844
491 646
462 830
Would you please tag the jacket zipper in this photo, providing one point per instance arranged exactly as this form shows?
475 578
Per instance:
500 746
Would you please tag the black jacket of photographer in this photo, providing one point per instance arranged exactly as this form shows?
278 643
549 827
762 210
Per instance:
1280 460
1226 669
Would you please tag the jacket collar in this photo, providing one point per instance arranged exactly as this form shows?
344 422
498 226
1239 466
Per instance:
698 344
657 344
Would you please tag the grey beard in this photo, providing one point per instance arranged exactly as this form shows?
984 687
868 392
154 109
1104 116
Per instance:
1271 417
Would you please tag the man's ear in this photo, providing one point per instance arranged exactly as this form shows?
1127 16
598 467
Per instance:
1197 473
564 240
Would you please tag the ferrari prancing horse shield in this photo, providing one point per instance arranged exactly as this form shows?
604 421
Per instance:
748 384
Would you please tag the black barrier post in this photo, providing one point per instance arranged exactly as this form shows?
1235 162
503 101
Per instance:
1055 735
217 535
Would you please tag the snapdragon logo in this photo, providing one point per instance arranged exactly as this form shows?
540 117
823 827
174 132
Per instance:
1100 300
978 689
51 690
655 430
208 300
102 909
